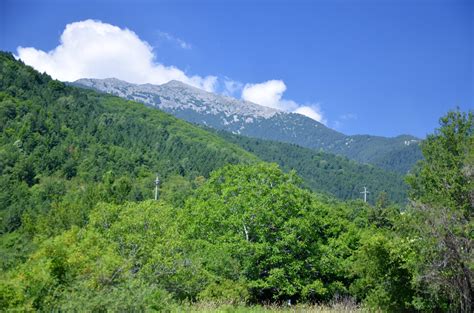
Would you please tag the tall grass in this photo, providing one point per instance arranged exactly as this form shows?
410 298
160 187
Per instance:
339 307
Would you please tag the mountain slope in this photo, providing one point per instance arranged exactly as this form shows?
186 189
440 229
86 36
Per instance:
324 172
246 118
59 142
70 147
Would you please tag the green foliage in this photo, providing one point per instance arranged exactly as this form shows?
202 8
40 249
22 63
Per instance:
440 179
441 216
99 267
385 281
324 172
249 233
398 154
422 259
285 241
383 214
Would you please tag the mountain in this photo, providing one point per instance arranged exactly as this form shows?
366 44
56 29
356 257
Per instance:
62 145
250 119
78 229
325 172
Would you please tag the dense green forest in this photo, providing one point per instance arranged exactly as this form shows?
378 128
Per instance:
80 233
325 172
61 143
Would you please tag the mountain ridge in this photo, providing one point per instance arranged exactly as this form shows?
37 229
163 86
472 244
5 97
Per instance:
197 106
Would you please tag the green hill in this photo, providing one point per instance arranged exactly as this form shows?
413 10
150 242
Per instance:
325 172
61 143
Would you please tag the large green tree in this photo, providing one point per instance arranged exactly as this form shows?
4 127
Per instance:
287 242
441 227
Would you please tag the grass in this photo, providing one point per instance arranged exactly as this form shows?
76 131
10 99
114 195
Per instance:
203 307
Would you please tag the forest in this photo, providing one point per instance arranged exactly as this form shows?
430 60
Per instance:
80 230
325 172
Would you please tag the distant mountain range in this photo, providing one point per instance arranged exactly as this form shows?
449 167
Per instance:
246 118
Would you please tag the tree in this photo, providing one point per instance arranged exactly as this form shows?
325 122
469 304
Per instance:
383 280
282 238
442 211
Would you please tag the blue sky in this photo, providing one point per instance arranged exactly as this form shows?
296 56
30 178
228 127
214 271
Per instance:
363 67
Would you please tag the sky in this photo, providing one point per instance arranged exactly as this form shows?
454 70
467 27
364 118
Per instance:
359 66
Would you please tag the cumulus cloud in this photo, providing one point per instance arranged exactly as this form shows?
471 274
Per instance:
270 94
313 112
93 49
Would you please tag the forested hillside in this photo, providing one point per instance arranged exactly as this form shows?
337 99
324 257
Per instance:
61 144
325 172
80 233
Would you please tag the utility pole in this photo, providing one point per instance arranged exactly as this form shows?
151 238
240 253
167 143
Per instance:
365 192
157 183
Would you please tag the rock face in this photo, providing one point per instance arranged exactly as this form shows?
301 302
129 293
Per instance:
246 118
176 95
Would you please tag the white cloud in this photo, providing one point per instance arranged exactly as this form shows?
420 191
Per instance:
313 112
92 49
270 94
